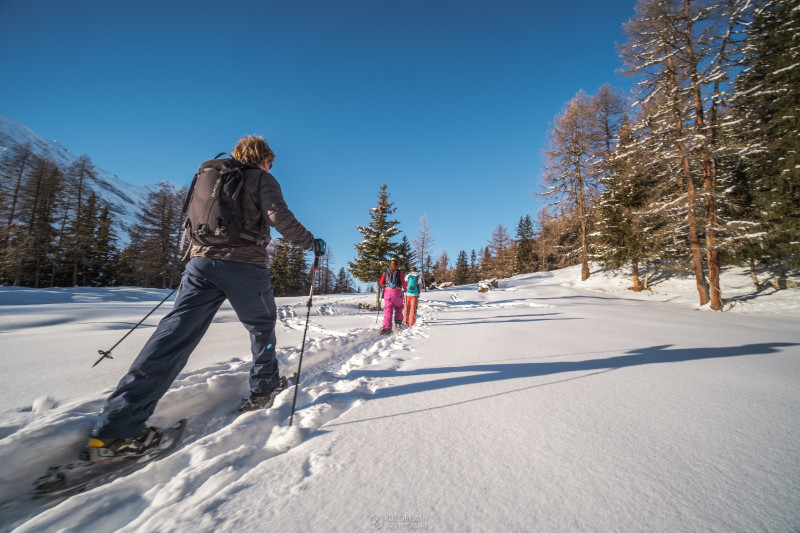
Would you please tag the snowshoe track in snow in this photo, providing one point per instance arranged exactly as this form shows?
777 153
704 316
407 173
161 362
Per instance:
218 448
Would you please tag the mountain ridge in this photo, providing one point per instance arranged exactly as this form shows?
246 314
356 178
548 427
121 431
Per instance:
123 198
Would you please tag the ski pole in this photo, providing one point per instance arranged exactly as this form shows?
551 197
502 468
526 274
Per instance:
107 353
303 345
380 290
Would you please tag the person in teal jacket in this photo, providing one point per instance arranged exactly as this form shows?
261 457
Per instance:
412 296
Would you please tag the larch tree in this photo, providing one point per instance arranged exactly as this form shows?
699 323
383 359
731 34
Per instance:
500 250
682 51
78 176
154 252
423 246
571 172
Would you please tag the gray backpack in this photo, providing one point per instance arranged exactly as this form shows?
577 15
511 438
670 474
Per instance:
213 206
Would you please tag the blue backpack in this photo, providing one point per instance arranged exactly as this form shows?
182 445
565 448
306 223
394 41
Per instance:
412 287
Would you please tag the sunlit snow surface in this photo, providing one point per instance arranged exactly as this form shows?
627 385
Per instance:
550 404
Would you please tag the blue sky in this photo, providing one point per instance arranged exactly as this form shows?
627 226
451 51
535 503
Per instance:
449 102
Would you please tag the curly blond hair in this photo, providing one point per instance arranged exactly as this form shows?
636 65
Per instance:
253 150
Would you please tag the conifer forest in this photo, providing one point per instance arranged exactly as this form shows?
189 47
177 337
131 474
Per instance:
697 168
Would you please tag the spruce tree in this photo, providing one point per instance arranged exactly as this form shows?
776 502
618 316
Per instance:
377 244
406 254
629 226
298 271
344 283
525 255
427 266
767 111
461 272
280 267
103 252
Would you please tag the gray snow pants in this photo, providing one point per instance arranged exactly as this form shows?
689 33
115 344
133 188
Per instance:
205 285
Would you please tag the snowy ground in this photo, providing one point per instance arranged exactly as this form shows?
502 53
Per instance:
548 405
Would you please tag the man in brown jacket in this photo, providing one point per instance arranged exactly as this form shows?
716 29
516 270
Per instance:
236 272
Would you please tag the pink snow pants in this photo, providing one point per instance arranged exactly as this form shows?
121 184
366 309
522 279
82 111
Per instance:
392 303
410 311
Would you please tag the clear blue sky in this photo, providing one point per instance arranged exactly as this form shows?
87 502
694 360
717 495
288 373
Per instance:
449 102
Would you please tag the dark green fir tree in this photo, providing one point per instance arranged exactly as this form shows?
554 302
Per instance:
377 244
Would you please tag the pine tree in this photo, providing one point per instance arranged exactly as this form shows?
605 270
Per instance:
377 244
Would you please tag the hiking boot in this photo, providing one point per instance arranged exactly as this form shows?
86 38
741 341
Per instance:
263 402
103 449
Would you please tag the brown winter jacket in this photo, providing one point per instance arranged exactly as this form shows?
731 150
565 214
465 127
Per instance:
262 206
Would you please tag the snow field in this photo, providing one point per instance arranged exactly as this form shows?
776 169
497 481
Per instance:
540 406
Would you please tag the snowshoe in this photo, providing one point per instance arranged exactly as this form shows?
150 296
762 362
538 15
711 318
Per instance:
103 449
265 402
118 458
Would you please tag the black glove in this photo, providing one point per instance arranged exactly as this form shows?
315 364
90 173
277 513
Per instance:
320 247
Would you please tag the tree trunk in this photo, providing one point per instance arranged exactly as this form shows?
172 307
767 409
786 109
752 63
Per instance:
635 269
753 274
688 184
582 216
709 173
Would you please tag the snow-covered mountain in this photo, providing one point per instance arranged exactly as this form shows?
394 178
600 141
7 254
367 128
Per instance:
123 197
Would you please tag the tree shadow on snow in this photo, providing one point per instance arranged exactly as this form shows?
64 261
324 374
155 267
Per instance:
485 373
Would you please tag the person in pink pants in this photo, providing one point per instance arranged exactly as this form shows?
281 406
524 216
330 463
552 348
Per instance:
394 284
